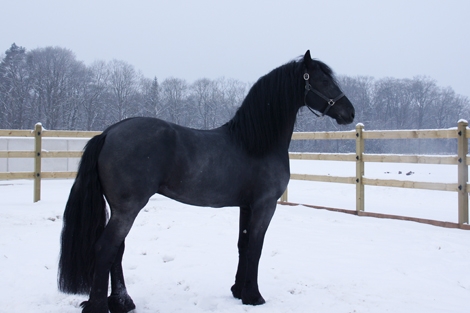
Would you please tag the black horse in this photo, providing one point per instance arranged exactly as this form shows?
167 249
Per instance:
243 163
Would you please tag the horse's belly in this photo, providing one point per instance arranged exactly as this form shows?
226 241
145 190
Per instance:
200 196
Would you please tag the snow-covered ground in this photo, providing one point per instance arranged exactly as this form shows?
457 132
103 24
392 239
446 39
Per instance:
183 259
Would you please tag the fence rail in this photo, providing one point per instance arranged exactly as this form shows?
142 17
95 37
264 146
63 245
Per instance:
461 159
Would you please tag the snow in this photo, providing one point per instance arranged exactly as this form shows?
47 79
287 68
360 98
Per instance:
183 259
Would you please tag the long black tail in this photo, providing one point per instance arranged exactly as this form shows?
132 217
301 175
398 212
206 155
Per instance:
84 220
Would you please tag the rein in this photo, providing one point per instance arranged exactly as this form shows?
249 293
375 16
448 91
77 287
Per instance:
329 101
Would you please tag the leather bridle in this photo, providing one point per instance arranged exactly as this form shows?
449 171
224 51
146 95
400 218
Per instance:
329 101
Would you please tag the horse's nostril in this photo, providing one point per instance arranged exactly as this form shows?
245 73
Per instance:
353 115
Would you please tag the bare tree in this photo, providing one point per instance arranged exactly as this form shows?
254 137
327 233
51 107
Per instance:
360 91
232 93
424 95
208 100
174 97
448 108
72 113
392 104
123 86
53 71
94 93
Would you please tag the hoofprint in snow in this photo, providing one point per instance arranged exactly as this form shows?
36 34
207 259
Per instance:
183 259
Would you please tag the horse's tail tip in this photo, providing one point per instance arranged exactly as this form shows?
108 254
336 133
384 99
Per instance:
72 289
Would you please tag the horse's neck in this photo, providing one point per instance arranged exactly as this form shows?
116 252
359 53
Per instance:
257 139
288 131
266 119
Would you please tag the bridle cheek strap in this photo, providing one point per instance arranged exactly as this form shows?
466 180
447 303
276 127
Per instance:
330 102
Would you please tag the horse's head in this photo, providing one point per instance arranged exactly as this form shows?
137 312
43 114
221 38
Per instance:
322 92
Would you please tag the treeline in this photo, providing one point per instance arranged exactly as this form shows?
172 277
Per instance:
49 85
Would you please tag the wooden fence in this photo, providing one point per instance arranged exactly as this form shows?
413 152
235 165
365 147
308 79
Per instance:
38 133
359 157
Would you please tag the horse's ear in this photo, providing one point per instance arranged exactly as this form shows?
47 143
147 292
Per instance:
307 58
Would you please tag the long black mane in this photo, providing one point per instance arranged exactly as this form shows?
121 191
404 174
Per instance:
270 106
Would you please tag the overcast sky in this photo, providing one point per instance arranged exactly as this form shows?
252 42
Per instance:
245 39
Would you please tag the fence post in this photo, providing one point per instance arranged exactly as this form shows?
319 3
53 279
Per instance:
284 196
462 167
359 168
37 161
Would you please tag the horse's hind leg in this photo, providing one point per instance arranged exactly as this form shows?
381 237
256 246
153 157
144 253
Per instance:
107 250
119 301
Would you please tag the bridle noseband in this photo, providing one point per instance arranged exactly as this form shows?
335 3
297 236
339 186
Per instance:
309 87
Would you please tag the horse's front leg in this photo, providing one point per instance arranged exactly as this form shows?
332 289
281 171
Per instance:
245 217
250 246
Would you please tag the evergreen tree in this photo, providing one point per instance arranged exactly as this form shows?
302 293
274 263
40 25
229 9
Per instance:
14 88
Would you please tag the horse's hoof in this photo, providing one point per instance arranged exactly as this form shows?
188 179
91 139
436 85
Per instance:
236 291
120 303
255 301
252 299
94 307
